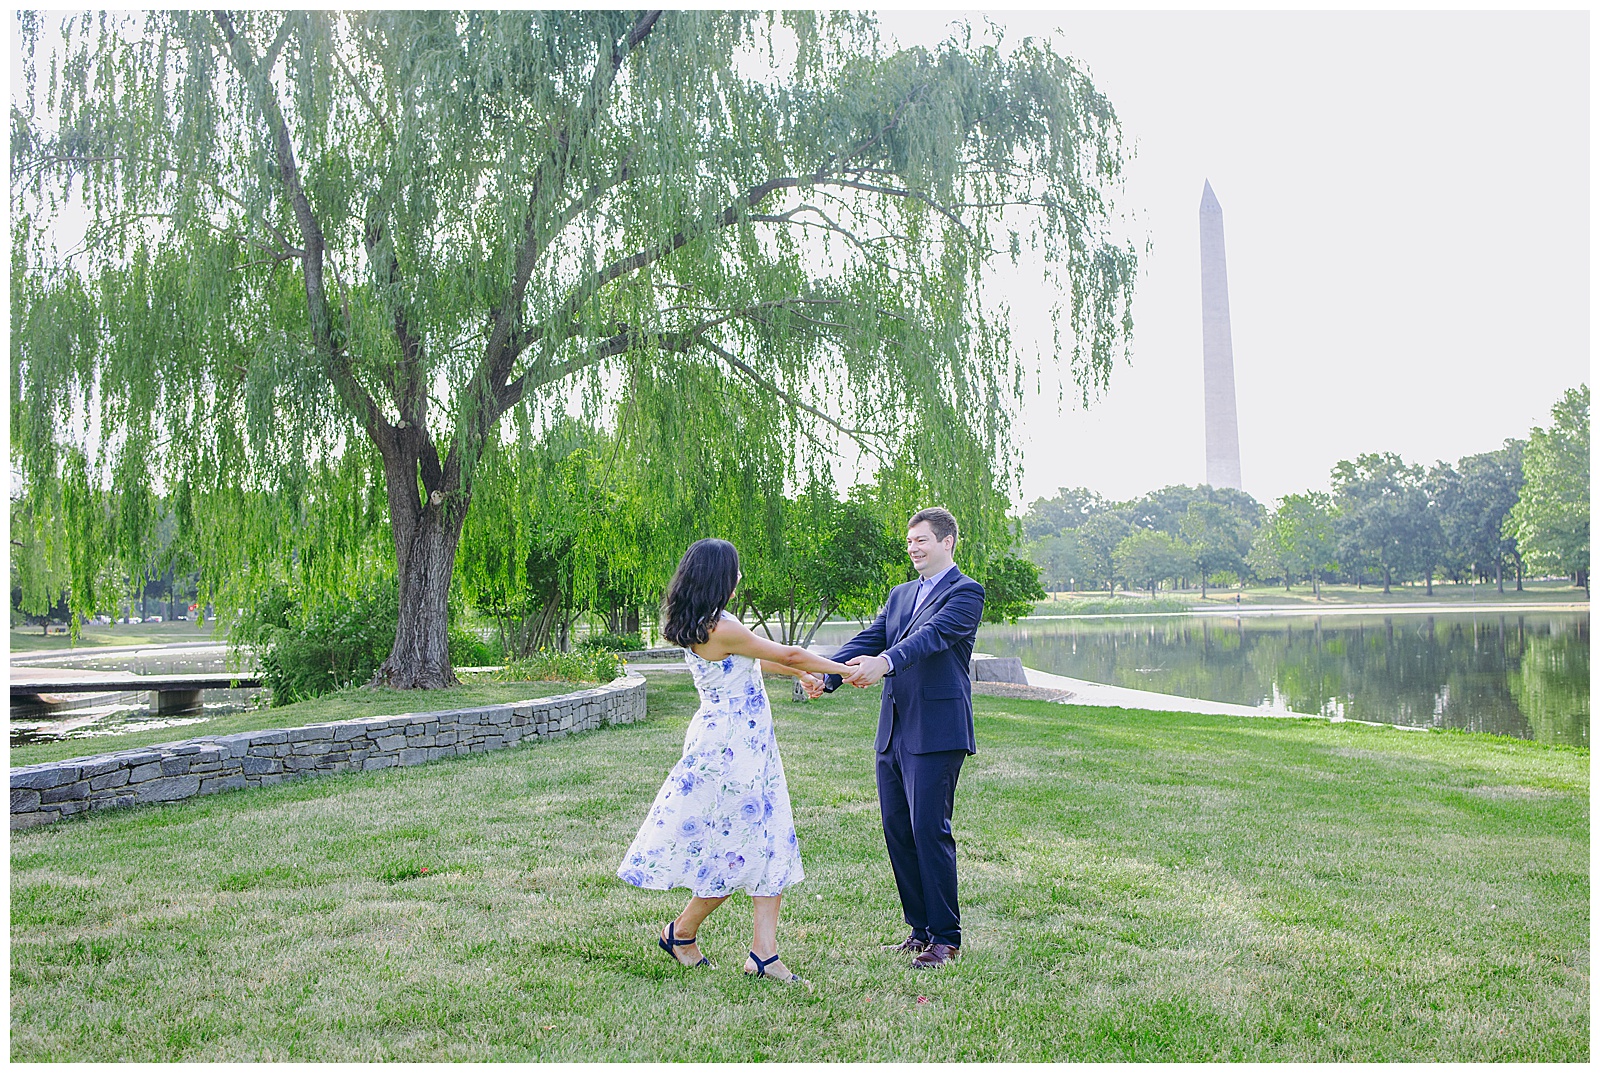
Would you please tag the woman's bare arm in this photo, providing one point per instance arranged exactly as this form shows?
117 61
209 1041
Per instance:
731 637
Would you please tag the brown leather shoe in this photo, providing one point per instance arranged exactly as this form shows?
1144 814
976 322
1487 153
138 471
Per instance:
912 945
936 956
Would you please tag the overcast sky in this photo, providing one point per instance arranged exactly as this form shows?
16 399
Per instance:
1406 206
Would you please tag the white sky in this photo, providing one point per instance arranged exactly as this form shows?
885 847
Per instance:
1406 205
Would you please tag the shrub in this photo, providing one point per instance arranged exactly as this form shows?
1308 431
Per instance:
584 665
337 644
467 649
613 642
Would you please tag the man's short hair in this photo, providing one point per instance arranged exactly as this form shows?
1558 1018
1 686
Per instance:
941 521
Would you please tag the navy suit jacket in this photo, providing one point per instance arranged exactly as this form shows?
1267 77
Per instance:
930 690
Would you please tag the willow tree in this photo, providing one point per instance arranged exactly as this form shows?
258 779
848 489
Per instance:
327 254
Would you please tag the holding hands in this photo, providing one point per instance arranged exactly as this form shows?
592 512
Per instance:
866 670
859 671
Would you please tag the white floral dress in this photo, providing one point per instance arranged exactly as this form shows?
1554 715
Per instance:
721 822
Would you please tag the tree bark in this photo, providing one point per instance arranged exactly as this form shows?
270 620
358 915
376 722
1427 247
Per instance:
1500 576
1430 581
426 554
1386 579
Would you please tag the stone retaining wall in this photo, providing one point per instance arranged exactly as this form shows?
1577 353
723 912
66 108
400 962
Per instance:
43 793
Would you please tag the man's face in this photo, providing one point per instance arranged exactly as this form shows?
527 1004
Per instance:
928 553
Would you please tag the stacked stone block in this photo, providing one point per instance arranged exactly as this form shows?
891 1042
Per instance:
43 793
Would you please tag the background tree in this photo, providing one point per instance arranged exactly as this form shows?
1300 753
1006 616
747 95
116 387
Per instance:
328 255
1067 509
830 558
1147 557
1473 515
1065 560
1308 522
1101 535
1164 509
1551 517
1217 538
1266 556
1380 500
1009 589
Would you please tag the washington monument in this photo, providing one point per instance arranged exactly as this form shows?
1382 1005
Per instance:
1222 418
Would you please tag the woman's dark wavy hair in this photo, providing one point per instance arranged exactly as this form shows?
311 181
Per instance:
699 591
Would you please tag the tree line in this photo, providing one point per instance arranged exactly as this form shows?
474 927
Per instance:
1519 508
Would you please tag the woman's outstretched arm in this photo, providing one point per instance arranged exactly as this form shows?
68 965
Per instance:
732 637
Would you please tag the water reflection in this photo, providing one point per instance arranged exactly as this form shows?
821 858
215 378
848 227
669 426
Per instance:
110 715
1525 675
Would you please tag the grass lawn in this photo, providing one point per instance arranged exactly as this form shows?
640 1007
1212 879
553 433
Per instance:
354 703
94 635
1135 885
1540 592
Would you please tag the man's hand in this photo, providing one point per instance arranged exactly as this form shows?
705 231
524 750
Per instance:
868 670
812 684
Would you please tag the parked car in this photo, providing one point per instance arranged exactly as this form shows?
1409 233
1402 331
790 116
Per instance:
153 618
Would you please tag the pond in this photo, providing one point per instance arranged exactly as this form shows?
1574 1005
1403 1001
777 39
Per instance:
105 716
1524 674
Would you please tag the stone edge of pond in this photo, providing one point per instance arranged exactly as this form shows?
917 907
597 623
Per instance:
176 771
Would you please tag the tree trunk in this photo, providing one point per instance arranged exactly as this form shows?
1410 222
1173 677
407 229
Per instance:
420 658
1500 576
1430 581
1519 573
1386 579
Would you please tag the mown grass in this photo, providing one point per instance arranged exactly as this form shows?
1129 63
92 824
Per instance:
1098 603
354 703
1135 885
33 639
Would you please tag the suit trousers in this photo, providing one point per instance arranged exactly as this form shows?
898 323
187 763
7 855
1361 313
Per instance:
916 798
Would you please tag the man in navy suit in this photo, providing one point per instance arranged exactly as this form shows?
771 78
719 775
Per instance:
920 647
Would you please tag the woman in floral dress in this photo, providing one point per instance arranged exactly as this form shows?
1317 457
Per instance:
721 822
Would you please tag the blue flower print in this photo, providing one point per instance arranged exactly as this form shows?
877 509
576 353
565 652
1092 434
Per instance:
721 820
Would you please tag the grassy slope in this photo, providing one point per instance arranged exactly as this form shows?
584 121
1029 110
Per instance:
1135 886
32 639
1332 595
357 703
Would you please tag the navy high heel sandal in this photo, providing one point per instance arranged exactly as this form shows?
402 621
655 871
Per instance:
761 969
671 940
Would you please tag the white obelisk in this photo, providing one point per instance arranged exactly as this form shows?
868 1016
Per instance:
1222 418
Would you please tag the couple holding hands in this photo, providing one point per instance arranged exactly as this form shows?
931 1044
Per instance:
722 823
